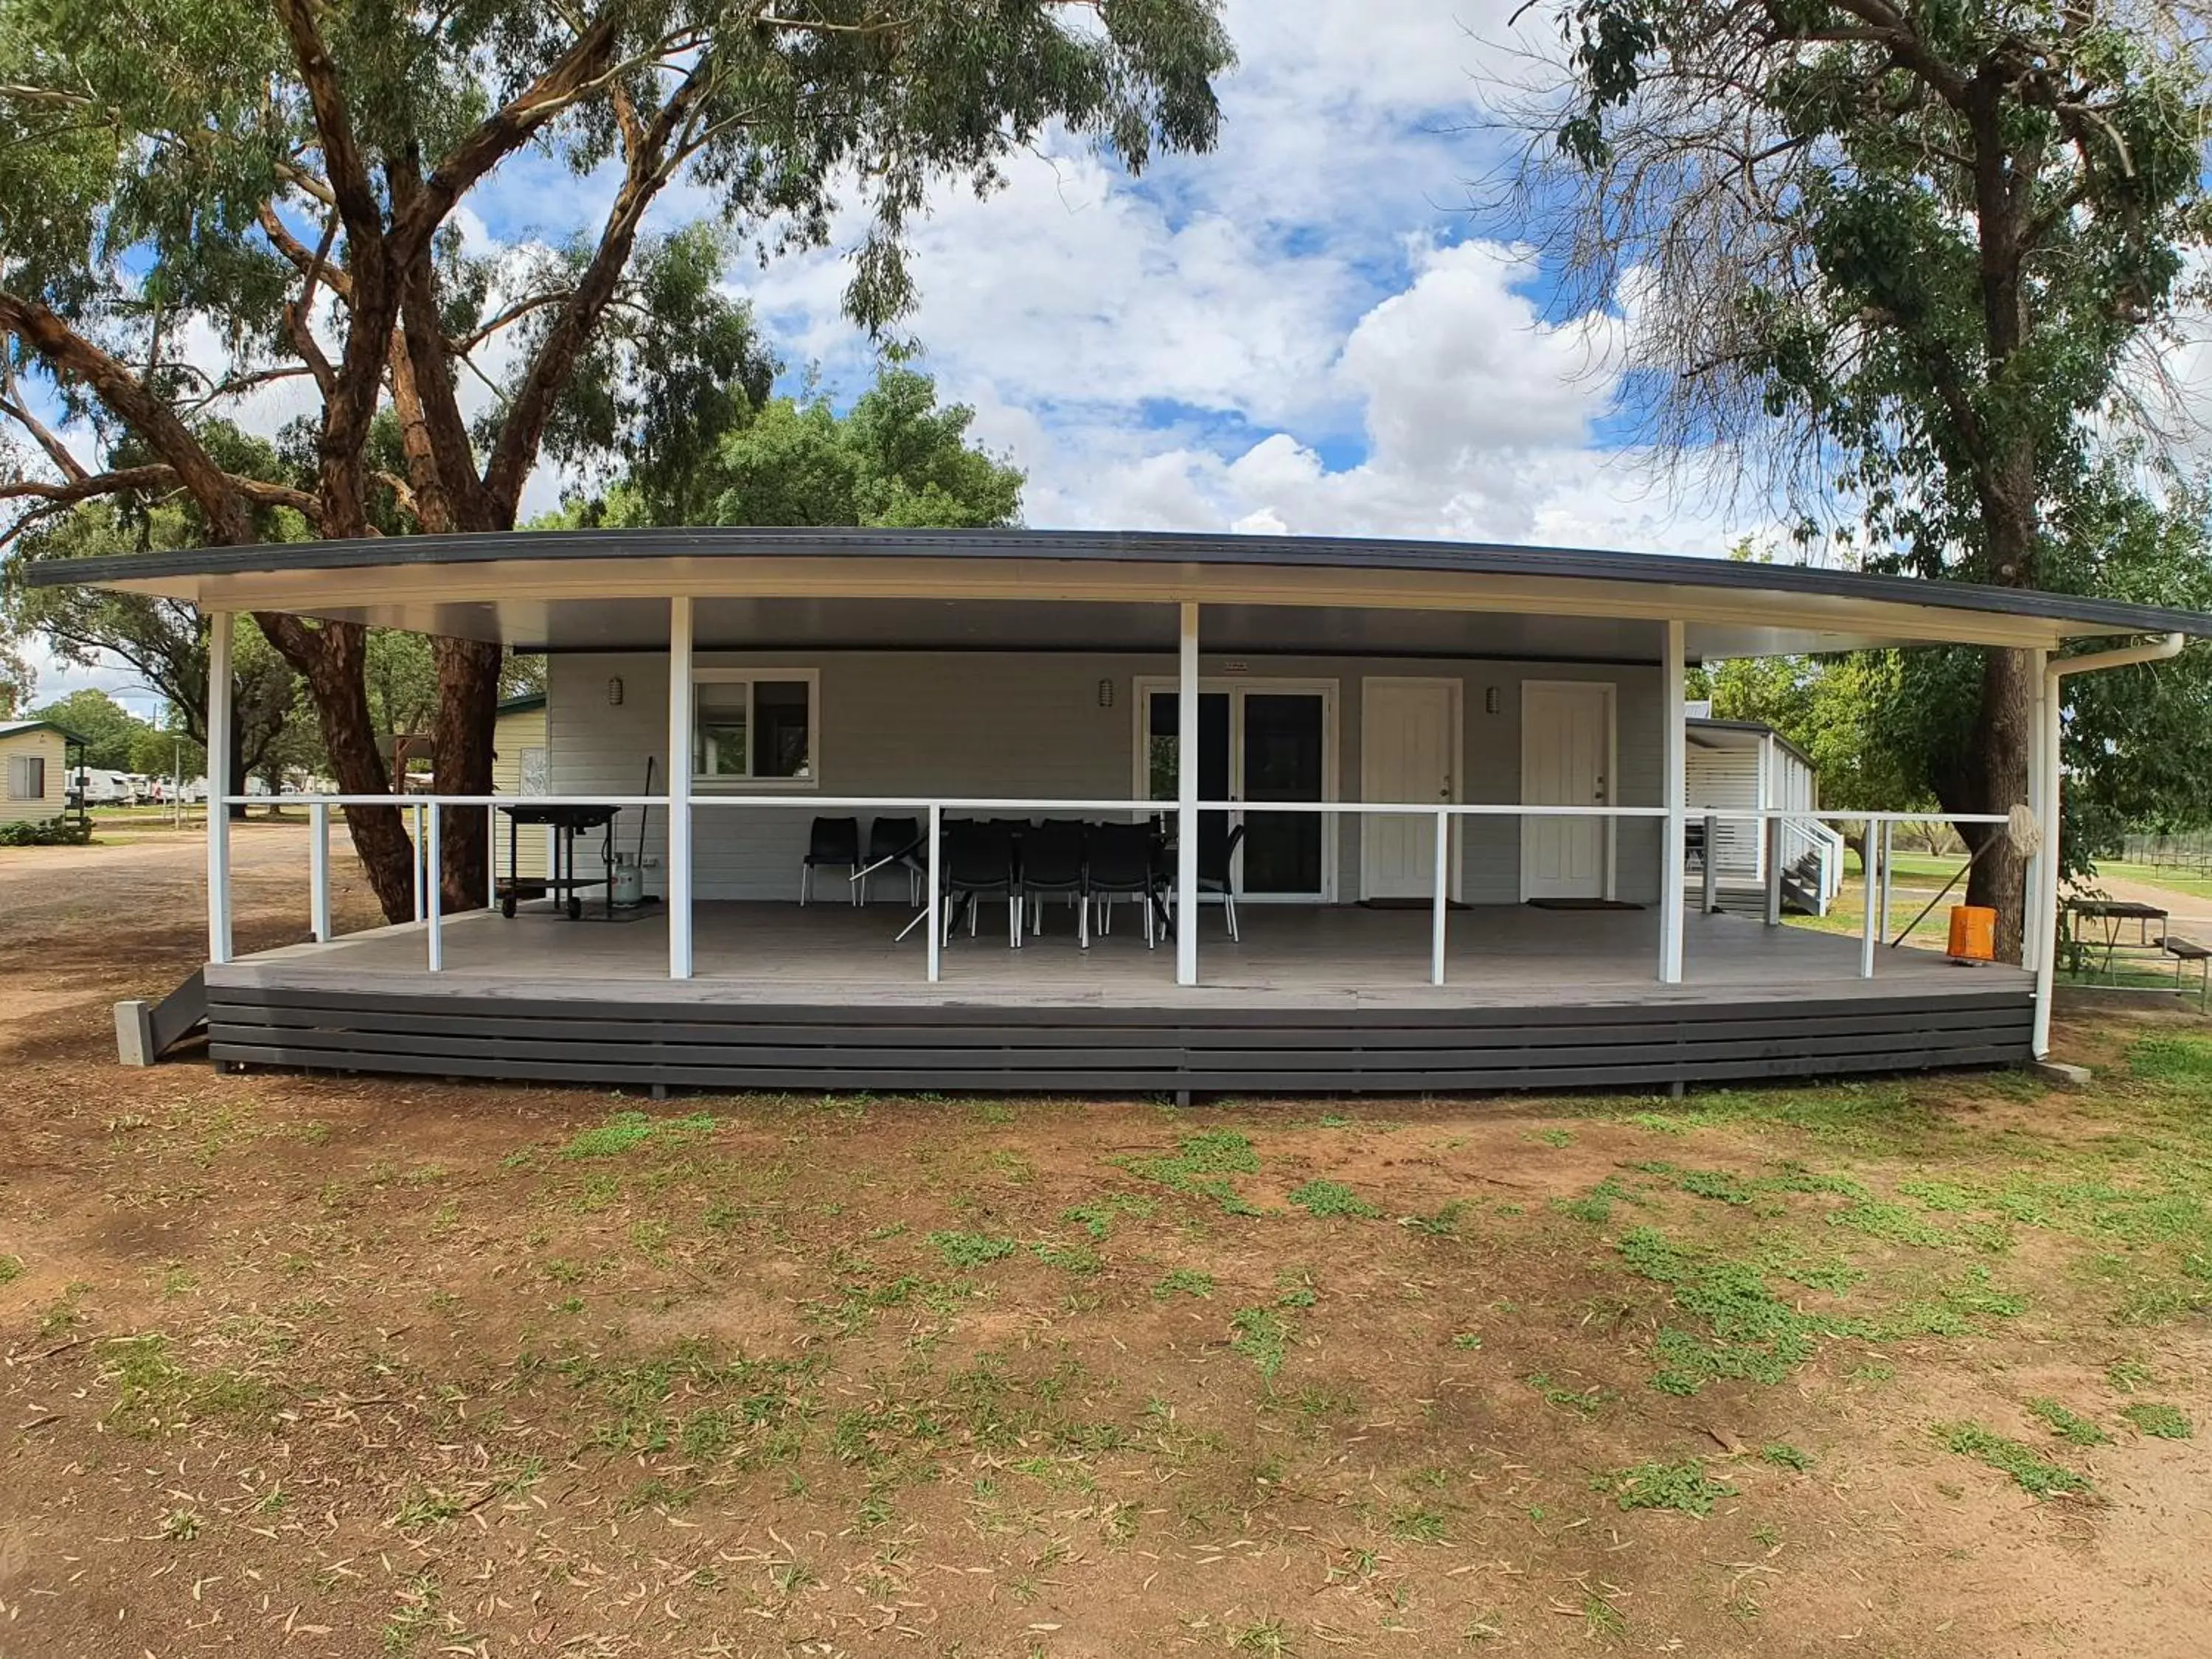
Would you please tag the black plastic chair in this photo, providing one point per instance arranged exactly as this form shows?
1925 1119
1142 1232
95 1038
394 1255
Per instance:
1121 861
978 862
835 843
896 840
1052 862
1217 867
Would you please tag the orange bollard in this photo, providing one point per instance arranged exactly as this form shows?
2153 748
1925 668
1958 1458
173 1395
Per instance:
1973 933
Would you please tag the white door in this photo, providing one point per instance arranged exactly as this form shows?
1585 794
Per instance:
1408 753
1567 760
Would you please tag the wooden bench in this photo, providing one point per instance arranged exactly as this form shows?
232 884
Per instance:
2185 950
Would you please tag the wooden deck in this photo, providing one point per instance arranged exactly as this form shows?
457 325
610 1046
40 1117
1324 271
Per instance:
1312 1001
1301 956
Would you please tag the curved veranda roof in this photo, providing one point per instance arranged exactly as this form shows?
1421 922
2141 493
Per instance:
1064 590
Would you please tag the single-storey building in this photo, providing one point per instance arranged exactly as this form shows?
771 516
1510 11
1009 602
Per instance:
33 771
1189 813
1737 765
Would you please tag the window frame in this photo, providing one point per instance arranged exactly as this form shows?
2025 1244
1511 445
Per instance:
749 677
30 768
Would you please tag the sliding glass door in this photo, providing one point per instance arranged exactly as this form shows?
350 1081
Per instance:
1256 743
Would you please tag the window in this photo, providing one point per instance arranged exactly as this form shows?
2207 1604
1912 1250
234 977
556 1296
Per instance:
755 726
26 777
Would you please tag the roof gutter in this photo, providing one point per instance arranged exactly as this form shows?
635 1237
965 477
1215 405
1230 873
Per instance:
2163 648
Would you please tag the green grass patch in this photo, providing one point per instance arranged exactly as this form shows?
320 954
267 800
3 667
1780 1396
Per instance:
1752 1334
1595 1205
1263 1336
1202 1165
625 1131
1443 1223
1183 1281
1783 1455
1684 1487
1097 1217
154 1392
1894 1223
966 1250
2070 1426
2161 1421
11 1269
1585 1400
1331 1198
2034 1474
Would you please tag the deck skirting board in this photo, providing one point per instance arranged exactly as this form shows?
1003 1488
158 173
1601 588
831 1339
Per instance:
1120 1050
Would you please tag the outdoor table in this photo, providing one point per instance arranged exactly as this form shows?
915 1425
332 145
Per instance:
2115 913
563 881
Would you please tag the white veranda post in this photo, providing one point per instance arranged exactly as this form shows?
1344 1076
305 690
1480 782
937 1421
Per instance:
219 741
1671 851
2035 940
1186 801
679 788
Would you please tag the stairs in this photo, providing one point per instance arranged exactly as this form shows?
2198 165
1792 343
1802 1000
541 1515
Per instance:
1800 892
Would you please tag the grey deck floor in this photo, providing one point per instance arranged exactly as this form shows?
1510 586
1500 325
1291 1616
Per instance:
1290 957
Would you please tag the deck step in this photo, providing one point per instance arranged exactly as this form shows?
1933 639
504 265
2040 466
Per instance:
146 1031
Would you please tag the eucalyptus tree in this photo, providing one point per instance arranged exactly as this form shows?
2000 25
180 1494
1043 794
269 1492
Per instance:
206 200
1908 264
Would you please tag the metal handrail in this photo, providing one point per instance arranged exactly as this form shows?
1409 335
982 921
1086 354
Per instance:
429 810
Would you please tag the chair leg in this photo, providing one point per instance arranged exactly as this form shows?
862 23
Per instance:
1015 916
859 888
1229 903
805 883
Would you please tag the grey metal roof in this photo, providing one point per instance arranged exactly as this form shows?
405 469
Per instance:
1127 547
17 728
1748 728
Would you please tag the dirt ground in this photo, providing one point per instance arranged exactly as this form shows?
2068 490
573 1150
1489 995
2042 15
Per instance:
321 1366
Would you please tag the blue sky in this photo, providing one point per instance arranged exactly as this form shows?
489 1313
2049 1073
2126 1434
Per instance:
1301 331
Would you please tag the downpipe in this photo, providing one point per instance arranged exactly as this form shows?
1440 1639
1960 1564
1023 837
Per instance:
2163 648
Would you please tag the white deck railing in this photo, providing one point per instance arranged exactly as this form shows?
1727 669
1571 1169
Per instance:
429 813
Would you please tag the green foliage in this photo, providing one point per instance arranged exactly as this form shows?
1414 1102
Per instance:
46 832
625 1131
1906 288
11 1268
1331 1198
896 459
1783 1455
2070 1426
1684 1487
2165 1422
2035 1474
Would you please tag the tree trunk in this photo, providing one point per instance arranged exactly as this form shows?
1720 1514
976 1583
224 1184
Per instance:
1997 773
468 711
331 658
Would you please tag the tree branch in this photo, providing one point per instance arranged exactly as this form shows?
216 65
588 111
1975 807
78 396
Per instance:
499 135
155 476
69 353
17 408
